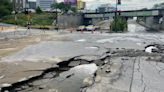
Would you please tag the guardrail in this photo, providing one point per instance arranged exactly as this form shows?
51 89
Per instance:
123 13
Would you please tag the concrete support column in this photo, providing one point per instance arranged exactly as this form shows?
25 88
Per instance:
149 21
162 26
153 23
71 20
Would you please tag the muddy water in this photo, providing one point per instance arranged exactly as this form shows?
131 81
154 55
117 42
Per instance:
79 44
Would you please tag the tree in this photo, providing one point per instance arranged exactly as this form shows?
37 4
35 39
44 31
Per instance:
144 9
55 5
74 9
38 10
5 8
120 24
63 7
160 6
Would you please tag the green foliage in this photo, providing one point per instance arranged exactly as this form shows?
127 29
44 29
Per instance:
38 10
63 7
119 25
161 5
37 19
42 19
74 9
5 8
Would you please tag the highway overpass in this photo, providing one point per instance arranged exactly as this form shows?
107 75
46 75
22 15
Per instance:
133 13
150 17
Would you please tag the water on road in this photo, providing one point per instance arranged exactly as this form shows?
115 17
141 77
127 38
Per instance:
89 52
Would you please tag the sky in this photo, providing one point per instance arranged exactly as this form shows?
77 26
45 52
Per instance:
126 4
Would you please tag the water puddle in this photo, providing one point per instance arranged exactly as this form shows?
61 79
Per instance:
119 39
81 40
94 47
105 41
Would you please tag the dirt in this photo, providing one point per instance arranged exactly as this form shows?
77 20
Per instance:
15 71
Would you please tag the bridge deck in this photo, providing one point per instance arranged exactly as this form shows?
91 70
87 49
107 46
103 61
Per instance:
136 13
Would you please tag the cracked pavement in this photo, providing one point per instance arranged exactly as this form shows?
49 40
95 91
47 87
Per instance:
75 62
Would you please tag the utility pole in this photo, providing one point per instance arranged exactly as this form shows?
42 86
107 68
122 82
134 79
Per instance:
115 18
118 2
15 11
57 19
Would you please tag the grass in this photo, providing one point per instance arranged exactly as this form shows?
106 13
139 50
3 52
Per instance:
43 19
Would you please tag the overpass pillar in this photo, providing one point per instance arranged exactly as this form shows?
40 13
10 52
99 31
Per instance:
153 23
149 21
162 26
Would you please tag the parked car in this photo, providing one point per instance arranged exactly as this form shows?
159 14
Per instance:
81 28
90 28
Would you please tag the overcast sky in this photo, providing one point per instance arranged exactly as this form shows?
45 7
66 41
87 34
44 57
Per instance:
126 4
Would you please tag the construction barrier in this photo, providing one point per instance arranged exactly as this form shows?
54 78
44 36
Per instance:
3 28
71 30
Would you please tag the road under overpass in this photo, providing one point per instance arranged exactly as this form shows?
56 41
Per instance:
149 17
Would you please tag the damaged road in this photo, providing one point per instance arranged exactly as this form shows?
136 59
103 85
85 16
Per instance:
75 62
114 71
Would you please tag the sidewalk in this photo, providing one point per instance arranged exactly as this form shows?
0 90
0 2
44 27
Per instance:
4 27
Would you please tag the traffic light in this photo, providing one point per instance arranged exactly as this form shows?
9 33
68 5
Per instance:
119 2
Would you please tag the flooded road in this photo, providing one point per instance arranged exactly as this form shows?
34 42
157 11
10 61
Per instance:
86 62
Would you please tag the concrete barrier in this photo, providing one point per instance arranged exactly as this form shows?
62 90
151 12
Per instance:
69 20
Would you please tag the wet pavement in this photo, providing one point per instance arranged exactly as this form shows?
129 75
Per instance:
86 62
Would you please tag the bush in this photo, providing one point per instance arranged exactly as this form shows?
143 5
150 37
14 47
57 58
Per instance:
37 19
10 19
5 8
38 10
64 7
120 24
42 19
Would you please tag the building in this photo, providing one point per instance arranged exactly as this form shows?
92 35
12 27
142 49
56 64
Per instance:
19 5
81 5
71 2
106 8
45 5
32 5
